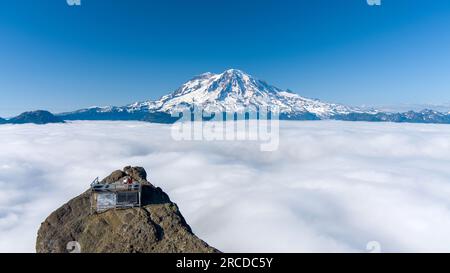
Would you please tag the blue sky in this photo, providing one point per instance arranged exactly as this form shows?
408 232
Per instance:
59 58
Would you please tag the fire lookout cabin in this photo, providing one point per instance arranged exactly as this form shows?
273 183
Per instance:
125 193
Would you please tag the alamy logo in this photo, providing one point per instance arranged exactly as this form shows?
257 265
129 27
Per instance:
73 247
373 247
260 126
73 2
374 2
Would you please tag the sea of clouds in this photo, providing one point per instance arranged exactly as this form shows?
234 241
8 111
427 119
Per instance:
330 187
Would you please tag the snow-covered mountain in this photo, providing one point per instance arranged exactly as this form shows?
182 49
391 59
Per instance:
234 91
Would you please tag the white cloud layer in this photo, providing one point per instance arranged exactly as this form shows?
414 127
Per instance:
331 186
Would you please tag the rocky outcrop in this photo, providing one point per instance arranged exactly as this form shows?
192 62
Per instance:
113 177
137 173
157 226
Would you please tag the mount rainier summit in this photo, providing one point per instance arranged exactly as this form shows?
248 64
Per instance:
234 91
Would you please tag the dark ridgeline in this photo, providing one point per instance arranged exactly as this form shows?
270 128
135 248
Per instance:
35 117
45 117
425 116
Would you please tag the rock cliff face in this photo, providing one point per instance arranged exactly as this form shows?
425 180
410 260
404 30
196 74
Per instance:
157 226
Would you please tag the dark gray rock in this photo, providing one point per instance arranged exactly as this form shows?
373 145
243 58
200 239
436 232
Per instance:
137 173
114 176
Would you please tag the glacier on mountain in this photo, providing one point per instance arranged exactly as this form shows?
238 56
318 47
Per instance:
235 91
